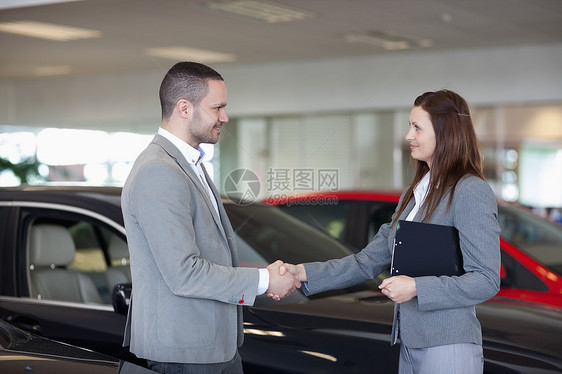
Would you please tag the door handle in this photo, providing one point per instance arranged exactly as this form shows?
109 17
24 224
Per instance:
25 323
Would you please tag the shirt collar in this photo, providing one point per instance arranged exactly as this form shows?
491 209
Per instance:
421 189
192 155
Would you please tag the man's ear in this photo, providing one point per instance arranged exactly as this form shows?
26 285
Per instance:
183 107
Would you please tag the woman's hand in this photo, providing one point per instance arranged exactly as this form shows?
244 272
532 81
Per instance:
399 289
297 270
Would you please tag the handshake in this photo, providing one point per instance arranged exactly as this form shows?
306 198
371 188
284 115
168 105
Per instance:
284 279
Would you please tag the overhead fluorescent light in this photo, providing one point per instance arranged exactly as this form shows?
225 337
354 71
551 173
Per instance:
388 40
263 11
190 54
378 41
10 4
49 71
48 31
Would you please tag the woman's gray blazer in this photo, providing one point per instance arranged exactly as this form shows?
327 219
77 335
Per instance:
443 311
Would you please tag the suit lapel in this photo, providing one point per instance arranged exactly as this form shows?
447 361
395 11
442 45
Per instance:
174 153
224 221
218 218
408 209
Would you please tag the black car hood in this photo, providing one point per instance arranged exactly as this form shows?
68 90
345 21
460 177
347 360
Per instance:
22 352
504 324
362 314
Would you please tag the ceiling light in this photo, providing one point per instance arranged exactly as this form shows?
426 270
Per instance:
190 54
48 31
378 41
10 4
263 11
446 17
48 71
388 40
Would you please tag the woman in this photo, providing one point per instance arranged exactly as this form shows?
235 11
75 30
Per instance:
434 316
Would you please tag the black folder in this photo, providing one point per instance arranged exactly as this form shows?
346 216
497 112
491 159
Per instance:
422 249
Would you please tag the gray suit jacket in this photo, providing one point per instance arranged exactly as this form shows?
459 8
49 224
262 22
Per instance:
443 312
187 289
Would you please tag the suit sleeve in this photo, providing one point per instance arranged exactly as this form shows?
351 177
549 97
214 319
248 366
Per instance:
353 269
475 216
196 265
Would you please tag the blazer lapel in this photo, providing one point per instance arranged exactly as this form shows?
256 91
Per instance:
174 153
408 209
224 222
219 217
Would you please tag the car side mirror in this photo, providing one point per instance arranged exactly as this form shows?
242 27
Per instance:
121 297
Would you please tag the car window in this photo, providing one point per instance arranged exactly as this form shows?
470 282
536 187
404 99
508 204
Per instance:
266 234
275 235
89 257
74 258
517 276
330 217
537 237
379 215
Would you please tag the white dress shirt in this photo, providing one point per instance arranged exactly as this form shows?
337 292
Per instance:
420 193
194 157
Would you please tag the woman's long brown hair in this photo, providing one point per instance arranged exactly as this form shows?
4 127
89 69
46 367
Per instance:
457 151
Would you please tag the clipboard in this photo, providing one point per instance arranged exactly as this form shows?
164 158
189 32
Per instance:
422 249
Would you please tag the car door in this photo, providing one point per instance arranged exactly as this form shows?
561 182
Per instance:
90 323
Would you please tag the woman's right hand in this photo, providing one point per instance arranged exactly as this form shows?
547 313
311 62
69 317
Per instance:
297 270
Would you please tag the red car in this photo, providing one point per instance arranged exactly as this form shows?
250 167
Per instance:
531 247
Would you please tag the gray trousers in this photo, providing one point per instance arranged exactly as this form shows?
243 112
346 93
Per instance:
444 359
233 366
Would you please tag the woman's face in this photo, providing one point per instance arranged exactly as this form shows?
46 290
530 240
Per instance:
421 136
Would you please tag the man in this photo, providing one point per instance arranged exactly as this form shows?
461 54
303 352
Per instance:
188 293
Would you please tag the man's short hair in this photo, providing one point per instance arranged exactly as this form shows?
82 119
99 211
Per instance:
185 80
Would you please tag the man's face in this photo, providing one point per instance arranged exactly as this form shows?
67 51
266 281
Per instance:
209 115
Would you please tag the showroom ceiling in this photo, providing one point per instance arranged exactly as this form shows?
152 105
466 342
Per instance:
112 36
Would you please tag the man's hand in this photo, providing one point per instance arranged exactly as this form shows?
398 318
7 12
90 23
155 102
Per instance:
280 286
399 289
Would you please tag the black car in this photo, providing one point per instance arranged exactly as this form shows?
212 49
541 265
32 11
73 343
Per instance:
23 352
63 250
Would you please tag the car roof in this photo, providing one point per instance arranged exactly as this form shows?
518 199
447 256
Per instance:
103 200
389 196
101 192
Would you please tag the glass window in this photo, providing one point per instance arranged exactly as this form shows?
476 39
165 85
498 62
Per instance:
88 240
266 234
537 237
517 276
74 258
275 235
380 214
331 218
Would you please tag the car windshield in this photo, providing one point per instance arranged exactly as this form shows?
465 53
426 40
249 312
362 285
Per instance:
265 234
276 235
538 237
